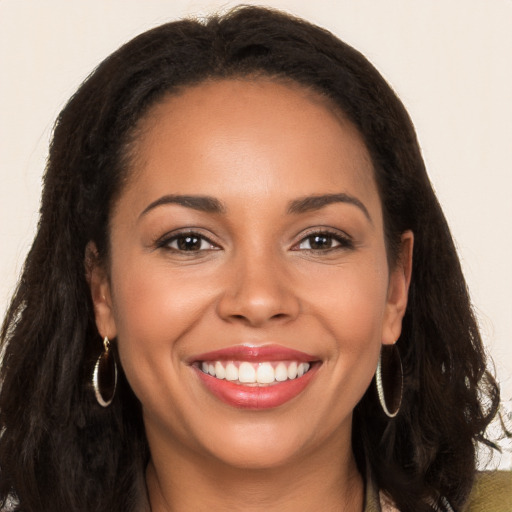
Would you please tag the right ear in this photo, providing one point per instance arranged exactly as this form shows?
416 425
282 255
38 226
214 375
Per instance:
99 285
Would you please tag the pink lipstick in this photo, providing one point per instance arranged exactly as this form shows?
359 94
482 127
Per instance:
255 377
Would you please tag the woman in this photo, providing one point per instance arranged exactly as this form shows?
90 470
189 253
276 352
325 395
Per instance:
237 233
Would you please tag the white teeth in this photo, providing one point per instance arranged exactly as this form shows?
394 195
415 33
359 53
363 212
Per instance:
231 372
220 372
255 373
246 373
302 369
265 374
281 372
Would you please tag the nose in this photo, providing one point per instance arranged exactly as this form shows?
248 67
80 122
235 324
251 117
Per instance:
258 290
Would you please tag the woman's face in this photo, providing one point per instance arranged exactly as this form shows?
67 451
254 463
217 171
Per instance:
249 244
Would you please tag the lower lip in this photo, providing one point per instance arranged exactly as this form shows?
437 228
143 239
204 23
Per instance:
256 397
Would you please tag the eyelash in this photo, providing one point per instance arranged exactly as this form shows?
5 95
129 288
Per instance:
343 241
166 241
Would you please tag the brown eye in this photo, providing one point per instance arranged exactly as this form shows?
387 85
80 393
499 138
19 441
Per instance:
188 242
319 242
324 241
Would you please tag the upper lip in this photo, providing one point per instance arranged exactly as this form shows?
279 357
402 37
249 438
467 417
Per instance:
252 353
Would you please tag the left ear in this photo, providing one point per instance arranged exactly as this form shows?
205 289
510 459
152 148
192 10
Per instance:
99 285
398 289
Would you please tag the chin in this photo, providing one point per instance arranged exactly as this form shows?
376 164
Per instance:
259 455
258 444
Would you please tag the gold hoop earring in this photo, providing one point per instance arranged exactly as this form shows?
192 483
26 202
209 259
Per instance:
389 378
104 376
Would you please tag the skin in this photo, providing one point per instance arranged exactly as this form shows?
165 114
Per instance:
255 146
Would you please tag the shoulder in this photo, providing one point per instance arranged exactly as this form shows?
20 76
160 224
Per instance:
492 492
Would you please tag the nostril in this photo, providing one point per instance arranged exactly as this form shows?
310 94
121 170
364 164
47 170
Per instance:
279 316
254 300
254 319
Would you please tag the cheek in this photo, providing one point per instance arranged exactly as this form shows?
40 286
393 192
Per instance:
351 300
156 299
154 309
351 306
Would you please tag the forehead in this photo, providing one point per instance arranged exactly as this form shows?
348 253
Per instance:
246 137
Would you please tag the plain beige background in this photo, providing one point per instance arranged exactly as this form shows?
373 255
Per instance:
449 60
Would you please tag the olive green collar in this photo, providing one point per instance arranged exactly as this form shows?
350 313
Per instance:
371 498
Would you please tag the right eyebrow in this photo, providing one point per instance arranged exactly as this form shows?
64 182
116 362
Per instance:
317 202
202 203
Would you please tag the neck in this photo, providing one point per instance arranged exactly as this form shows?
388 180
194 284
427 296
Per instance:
318 481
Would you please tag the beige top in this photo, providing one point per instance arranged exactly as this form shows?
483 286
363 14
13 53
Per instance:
492 492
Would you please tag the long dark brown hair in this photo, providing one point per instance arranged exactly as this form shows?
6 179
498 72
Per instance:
59 450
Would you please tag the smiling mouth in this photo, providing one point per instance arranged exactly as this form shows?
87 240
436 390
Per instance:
246 373
255 377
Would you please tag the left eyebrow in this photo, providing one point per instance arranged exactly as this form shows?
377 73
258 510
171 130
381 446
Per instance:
316 202
201 203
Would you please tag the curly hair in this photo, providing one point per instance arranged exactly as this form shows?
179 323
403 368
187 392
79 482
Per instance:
59 450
